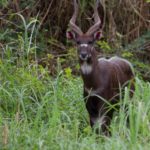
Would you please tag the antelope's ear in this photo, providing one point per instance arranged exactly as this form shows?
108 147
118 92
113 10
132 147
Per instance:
98 35
70 35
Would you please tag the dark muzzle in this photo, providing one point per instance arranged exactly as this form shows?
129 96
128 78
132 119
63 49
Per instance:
84 56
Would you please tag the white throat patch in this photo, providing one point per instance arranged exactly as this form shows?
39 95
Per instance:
84 45
86 68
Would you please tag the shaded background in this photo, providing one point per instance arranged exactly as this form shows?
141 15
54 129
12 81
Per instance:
126 31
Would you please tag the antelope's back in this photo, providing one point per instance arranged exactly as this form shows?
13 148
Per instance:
122 65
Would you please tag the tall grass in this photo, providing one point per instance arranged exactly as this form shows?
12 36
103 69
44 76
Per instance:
41 112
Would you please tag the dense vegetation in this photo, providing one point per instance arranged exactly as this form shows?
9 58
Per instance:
41 103
42 112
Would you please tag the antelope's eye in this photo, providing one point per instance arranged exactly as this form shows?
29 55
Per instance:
78 42
90 42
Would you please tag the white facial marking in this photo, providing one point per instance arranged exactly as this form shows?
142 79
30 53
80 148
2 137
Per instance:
84 45
86 68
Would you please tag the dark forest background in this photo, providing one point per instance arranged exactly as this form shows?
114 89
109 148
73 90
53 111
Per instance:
40 25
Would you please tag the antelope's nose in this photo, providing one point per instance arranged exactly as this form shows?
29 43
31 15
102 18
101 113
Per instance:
83 56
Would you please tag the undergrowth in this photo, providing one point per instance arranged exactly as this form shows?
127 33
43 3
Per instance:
42 112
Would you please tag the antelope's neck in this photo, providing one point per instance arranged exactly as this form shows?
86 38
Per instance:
89 74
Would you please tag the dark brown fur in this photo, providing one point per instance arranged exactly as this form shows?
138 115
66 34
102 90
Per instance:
102 78
106 78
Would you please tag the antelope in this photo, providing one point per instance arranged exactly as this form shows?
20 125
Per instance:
102 78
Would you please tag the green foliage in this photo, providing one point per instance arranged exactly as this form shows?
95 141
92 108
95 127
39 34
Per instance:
28 36
138 53
105 47
68 72
139 42
41 112
148 1
127 54
3 3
